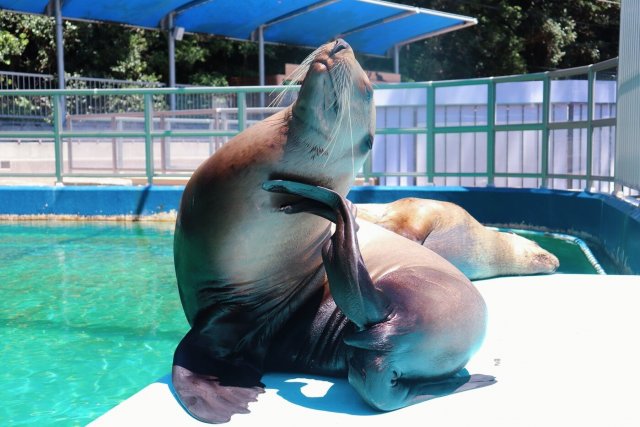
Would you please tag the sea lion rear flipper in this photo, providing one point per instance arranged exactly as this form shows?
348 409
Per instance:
351 286
461 381
209 390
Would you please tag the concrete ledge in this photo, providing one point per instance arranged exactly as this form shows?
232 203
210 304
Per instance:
89 200
562 348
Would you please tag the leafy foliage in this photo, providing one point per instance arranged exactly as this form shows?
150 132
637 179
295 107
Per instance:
515 36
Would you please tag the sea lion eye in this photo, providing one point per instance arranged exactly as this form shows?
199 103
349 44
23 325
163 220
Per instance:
368 140
368 93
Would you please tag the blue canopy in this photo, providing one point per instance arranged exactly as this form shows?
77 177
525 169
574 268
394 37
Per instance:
372 27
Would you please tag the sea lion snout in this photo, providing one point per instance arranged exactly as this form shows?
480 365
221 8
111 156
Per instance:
547 262
339 45
331 54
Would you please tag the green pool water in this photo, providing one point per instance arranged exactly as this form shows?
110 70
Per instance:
90 314
570 251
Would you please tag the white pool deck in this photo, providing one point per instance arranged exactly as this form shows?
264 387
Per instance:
565 350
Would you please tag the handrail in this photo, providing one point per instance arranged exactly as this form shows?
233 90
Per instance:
430 129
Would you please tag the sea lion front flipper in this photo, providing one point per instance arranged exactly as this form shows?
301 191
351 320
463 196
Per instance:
351 286
209 390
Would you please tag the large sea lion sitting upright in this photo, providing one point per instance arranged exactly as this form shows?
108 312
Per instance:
252 279
243 268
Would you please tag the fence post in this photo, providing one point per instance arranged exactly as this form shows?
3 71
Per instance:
242 104
590 98
57 139
431 133
148 140
491 132
546 102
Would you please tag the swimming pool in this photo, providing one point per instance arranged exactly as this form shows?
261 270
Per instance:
91 314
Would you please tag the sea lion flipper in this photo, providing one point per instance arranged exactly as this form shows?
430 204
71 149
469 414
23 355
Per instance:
207 399
350 283
210 390
462 381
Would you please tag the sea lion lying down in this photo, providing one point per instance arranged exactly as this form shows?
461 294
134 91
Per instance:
448 230
266 285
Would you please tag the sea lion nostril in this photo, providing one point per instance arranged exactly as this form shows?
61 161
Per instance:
338 46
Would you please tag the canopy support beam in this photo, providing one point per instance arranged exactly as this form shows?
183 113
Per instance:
172 58
396 59
57 10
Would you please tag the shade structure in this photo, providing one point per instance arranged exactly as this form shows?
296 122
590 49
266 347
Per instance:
371 27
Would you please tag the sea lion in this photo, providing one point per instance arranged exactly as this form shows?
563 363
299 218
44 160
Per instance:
252 279
243 268
412 319
450 231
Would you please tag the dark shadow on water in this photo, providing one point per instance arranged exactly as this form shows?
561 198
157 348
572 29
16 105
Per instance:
142 201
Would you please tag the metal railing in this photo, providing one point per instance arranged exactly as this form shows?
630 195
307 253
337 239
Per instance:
543 142
556 126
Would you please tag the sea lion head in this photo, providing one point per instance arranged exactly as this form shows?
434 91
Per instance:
333 119
422 343
529 257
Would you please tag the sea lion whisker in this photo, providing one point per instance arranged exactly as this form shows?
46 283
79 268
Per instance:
295 76
353 160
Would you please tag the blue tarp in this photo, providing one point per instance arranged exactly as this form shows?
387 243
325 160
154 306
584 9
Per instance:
370 26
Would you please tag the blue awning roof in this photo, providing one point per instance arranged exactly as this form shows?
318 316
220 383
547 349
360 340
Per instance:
372 27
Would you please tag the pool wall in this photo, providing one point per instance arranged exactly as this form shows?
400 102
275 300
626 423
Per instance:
614 223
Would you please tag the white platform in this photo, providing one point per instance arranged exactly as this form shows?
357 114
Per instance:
565 350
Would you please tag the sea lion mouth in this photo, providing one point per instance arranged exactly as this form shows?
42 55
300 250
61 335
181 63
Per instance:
322 63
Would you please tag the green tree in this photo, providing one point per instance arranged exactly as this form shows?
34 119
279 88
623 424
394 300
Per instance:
516 36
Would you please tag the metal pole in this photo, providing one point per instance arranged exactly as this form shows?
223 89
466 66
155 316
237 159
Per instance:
590 98
59 45
60 101
546 106
431 133
172 61
261 61
148 139
396 59
57 140
491 133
